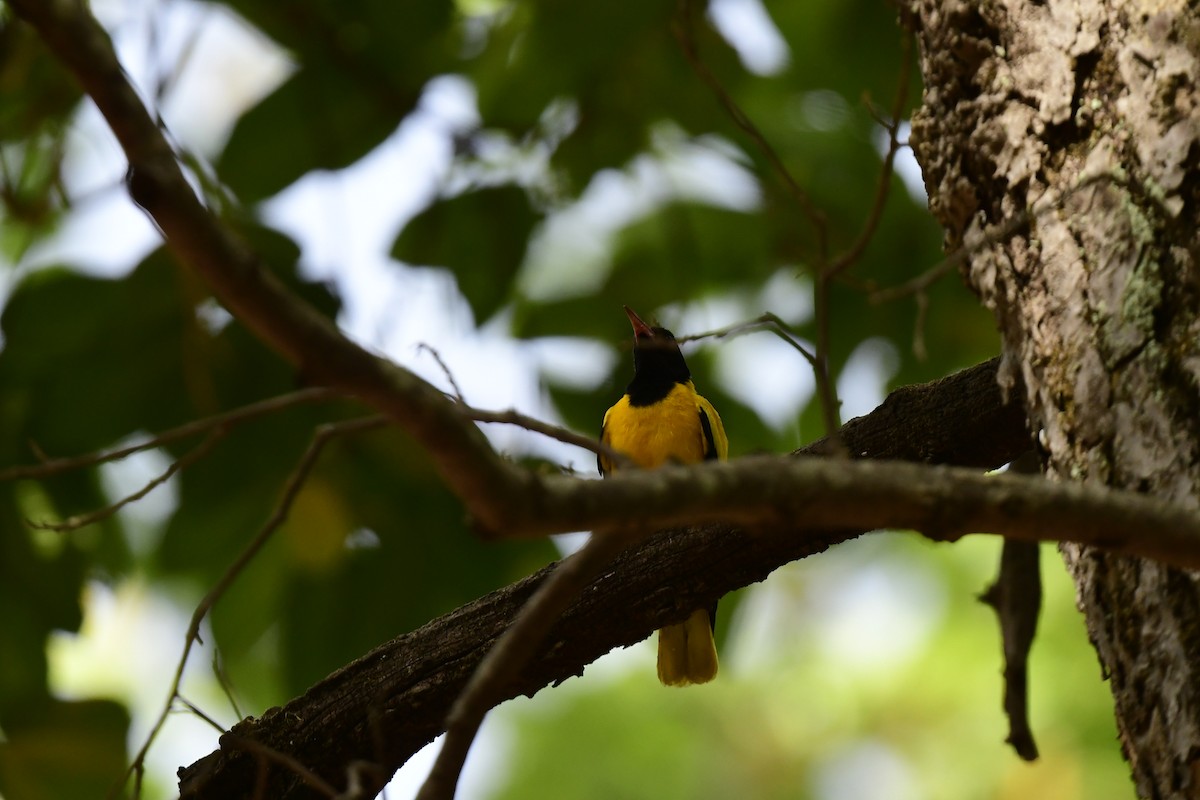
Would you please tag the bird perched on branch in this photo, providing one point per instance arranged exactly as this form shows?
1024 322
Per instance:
661 419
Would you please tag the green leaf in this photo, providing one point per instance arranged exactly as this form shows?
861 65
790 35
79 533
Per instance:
388 46
39 593
362 66
95 359
680 252
318 119
618 63
480 236
694 248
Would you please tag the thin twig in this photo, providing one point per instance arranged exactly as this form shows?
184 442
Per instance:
683 28
168 77
458 395
82 520
511 652
826 391
194 709
852 253
270 754
772 322
361 779
323 436
921 283
225 419
218 668
918 345
514 417
766 321
822 303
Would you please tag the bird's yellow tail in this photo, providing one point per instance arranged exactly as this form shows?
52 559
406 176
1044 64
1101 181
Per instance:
687 653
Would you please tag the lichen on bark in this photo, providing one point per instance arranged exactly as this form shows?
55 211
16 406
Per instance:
1083 118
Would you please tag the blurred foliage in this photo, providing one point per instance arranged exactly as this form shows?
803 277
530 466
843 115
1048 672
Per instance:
39 98
500 221
361 67
572 99
914 717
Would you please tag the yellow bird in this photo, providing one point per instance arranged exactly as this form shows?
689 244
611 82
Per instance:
661 419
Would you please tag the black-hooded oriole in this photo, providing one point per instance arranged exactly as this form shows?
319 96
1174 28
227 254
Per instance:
661 419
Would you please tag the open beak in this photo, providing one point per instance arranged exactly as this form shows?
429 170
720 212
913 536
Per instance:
640 329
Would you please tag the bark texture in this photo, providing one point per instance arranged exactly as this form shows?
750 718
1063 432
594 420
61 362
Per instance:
1082 117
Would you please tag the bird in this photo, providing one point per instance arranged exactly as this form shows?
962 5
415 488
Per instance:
661 419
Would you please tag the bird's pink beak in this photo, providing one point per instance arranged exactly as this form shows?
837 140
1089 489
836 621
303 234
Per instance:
640 328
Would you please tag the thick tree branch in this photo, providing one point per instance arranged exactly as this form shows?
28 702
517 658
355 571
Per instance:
394 700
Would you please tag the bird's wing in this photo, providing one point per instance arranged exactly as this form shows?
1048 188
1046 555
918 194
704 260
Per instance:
716 444
600 465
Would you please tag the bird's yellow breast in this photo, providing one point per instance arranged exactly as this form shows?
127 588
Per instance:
669 430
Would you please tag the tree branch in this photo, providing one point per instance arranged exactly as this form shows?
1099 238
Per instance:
392 701
487 483
78 521
806 494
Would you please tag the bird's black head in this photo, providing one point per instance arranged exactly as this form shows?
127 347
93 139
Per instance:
657 363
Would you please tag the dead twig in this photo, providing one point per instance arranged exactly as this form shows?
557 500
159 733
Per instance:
193 709
83 520
218 668
225 419
514 417
1016 597
826 389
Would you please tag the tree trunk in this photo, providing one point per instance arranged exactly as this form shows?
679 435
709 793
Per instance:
1059 141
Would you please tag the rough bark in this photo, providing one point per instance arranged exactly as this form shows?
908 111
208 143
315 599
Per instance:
1082 117
386 705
